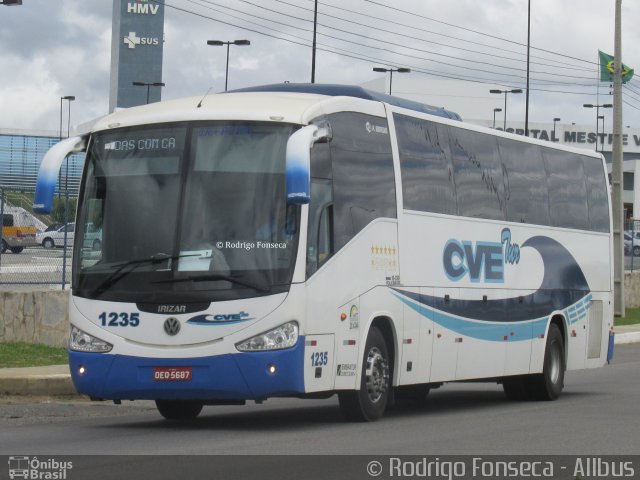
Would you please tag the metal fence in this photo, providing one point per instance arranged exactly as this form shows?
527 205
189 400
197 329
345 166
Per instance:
35 249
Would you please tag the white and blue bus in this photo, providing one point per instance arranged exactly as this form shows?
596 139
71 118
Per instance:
311 240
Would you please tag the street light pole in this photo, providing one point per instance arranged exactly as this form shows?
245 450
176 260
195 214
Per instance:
553 138
69 98
148 85
219 43
391 70
313 46
598 107
514 90
494 115
616 168
526 109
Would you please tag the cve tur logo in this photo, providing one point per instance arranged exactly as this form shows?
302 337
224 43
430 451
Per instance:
481 261
220 318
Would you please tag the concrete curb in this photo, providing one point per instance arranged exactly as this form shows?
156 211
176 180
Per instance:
50 380
628 337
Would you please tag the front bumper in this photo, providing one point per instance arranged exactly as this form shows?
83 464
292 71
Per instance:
26 241
238 376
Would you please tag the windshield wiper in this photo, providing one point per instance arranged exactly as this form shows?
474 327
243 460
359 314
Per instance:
120 272
218 276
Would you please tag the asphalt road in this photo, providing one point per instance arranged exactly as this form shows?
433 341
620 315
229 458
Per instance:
598 413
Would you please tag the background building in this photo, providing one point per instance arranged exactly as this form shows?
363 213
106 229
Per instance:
21 152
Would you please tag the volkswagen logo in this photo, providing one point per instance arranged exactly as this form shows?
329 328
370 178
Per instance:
171 326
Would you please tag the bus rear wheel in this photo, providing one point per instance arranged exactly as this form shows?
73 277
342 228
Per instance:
179 409
549 384
546 385
370 402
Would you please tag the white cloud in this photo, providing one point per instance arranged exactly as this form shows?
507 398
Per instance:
28 93
60 48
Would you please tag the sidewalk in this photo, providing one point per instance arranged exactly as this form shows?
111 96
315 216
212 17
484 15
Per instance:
56 379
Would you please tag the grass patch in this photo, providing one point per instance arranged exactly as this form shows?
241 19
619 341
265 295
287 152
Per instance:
14 355
632 316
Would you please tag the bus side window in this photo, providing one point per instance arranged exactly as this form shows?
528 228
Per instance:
320 226
325 235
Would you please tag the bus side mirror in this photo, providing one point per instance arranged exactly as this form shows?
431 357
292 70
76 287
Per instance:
298 162
49 168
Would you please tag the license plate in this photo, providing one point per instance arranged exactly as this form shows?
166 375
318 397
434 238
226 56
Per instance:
172 374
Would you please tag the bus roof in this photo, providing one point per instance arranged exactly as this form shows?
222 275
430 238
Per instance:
332 90
288 102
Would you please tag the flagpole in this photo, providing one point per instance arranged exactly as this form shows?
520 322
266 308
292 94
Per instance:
598 80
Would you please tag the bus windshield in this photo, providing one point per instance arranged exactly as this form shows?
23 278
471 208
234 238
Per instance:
185 211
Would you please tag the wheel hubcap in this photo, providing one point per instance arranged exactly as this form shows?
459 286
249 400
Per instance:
377 374
554 364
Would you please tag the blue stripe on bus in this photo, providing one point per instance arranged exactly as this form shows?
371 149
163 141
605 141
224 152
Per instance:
482 329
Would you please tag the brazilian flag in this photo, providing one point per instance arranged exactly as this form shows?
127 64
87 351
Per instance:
606 69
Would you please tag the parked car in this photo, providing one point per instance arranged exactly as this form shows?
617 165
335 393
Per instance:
632 243
55 238
92 238
17 233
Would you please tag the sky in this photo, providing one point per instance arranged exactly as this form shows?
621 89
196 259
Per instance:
53 48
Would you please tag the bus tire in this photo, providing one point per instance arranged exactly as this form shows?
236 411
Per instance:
370 402
548 384
516 388
4 247
179 409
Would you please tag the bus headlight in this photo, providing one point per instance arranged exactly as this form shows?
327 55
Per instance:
80 341
284 336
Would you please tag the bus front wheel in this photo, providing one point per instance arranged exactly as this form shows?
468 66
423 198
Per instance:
370 402
179 409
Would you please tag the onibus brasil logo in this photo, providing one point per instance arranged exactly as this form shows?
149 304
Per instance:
482 261
37 469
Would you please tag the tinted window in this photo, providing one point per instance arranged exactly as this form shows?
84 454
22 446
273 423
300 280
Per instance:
319 225
477 172
525 181
363 177
321 160
427 174
597 195
567 190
